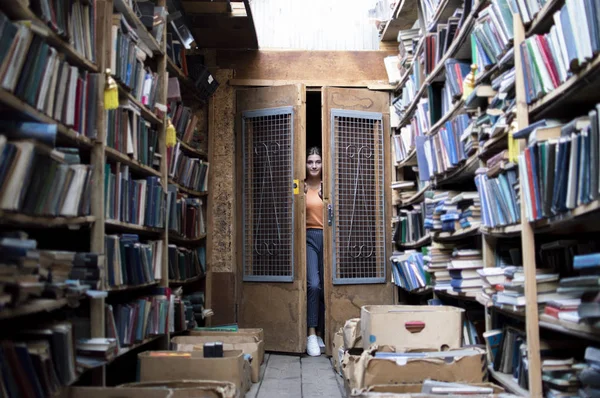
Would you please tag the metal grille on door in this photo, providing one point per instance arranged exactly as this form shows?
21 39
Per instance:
268 195
358 192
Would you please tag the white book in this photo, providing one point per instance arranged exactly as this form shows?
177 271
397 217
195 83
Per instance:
546 80
62 89
391 66
42 94
557 54
561 39
142 206
69 111
12 194
52 88
571 201
74 191
15 63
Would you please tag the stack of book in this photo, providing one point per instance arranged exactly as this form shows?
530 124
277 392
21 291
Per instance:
138 320
407 41
197 301
410 226
493 34
139 202
437 259
129 133
131 262
550 59
40 362
561 165
463 268
408 272
99 350
187 171
589 377
444 151
52 86
452 211
184 315
185 263
437 43
186 215
42 181
499 196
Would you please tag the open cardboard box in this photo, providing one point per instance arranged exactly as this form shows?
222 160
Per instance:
352 334
174 366
256 334
411 326
243 343
337 350
413 390
176 389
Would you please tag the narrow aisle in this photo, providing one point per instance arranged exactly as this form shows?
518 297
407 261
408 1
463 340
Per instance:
297 377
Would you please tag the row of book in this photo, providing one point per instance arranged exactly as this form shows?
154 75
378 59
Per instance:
75 21
493 33
130 262
128 132
139 202
38 180
138 320
549 59
437 43
127 58
39 362
186 263
508 348
499 192
186 215
451 211
29 273
410 226
450 266
187 171
184 120
560 165
407 43
408 272
409 90
443 151
50 85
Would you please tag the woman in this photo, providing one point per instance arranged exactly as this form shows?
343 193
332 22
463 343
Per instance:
314 251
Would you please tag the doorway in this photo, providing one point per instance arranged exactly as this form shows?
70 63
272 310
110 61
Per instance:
314 126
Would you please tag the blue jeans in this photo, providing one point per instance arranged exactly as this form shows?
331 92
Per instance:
314 279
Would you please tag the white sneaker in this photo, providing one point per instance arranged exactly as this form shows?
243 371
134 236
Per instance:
321 344
312 346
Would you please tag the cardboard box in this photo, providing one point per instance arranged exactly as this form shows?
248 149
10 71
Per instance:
411 327
196 343
350 373
352 334
462 368
256 334
337 351
194 366
190 388
413 391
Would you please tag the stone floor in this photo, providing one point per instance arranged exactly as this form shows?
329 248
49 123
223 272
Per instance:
292 376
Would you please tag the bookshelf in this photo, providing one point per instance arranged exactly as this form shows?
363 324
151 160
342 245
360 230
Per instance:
86 232
519 237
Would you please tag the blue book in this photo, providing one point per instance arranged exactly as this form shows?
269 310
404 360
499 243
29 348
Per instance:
424 167
586 261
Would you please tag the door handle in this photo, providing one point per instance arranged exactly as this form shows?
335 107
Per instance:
329 214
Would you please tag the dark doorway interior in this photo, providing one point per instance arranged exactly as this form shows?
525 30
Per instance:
313 119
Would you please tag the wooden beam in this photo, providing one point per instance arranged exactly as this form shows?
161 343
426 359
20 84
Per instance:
373 85
194 7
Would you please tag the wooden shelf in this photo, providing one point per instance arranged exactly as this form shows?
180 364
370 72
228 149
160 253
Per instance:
456 235
403 79
131 348
33 307
444 10
493 146
543 20
508 382
507 231
145 36
124 288
133 227
63 132
561 220
186 281
146 113
403 18
19 219
457 295
461 173
187 190
456 109
413 105
576 330
194 152
133 164
20 11
179 240
580 87
418 197
425 240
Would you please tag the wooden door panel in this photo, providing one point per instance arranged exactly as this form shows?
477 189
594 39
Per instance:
344 298
272 293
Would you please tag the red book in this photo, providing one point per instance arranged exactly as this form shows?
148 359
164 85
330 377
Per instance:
553 312
531 183
548 60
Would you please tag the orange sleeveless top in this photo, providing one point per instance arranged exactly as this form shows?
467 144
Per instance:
314 209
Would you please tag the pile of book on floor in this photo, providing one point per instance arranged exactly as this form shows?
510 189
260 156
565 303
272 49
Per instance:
407 356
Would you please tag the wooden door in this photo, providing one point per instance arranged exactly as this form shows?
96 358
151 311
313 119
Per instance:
356 167
270 150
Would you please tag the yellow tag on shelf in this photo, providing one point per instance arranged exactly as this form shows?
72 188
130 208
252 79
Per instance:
513 145
171 138
111 92
296 187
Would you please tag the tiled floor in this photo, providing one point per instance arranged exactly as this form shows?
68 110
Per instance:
297 377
